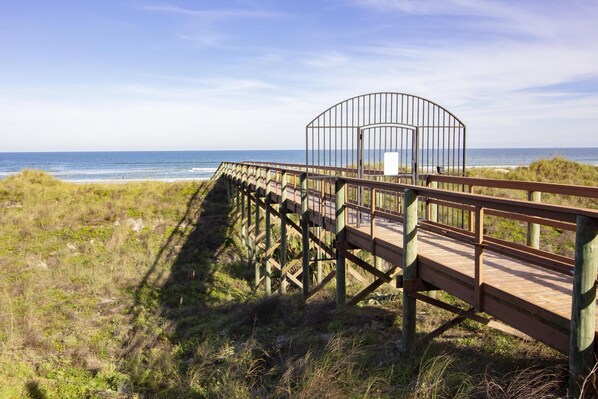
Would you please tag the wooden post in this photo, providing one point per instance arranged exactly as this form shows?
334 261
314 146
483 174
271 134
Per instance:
479 258
242 210
283 233
238 189
583 310
248 238
228 187
471 214
268 277
340 214
433 208
256 264
409 267
319 256
305 235
533 229
372 214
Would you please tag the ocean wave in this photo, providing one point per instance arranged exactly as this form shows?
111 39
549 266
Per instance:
210 170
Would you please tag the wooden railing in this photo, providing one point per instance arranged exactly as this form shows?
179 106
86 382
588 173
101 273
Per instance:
477 205
583 221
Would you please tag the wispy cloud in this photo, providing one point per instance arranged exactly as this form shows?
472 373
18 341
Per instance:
432 7
211 13
205 40
332 59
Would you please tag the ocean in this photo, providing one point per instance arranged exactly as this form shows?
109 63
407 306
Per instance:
197 165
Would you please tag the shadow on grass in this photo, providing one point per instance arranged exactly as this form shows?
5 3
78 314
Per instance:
197 324
34 391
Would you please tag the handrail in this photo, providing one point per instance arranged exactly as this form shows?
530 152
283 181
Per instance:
552 188
549 188
532 212
541 210
556 212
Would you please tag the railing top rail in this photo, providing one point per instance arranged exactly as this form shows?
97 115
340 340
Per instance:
553 188
271 166
548 211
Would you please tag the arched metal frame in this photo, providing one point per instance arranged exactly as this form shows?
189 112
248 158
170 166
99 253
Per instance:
351 138
366 126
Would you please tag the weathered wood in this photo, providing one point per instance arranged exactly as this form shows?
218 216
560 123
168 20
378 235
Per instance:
268 205
289 276
372 287
242 195
364 265
306 276
432 207
256 264
228 190
566 189
248 238
533 300
282 288
533 229
409 267
319 256
583 309
356 275
340 215
322 284
471 214
373 213
479 259
466 314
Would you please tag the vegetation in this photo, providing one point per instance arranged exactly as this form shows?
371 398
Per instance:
556 170
142 290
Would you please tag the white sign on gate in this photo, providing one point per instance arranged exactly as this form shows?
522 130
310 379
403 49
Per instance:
391 163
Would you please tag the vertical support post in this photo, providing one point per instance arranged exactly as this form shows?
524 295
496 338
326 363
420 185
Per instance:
228 186
378 262
268 277
372 214
319 256
583 309
248 238
242 195
471 214
409 267
283 234
533 229
415 157
237 189
432 207
340 215
256 264
305 235
479 258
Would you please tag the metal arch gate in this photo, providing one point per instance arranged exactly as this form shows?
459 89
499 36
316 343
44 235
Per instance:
352 137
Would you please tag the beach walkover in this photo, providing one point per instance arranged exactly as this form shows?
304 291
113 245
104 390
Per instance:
383 190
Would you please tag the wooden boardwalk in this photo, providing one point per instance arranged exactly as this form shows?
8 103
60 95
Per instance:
529 290
525 296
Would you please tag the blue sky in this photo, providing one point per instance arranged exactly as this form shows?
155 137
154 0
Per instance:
248 74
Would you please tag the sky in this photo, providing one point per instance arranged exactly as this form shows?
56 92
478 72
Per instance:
103 75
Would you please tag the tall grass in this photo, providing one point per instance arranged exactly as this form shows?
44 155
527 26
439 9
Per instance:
140 290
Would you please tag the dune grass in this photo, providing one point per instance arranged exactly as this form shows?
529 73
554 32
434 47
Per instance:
556 170
142 290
